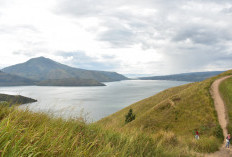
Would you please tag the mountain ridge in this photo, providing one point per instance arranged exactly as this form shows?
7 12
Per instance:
190 77
42 68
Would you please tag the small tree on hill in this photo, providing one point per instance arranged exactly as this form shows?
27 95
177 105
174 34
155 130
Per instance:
130 116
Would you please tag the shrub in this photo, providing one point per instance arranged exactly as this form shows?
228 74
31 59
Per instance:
219 132
130 116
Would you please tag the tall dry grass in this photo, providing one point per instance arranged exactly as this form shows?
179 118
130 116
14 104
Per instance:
23 133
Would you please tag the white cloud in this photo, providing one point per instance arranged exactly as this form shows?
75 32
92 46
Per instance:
140 36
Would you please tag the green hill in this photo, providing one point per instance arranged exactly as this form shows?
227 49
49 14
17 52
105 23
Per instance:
15 99
24 133
180 110
13 80
226 92
190 77
70 82
46 69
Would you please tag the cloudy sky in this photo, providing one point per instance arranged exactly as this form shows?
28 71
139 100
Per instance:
131 37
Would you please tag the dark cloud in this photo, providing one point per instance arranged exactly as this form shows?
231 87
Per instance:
203 35
227 10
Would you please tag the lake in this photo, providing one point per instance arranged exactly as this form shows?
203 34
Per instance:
93 103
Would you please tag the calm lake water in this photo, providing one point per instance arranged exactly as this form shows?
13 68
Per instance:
98 102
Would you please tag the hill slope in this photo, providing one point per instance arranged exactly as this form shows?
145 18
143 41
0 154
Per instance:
190 77
180 110
226 92
15 99
44 69
13 80
24 133
70 82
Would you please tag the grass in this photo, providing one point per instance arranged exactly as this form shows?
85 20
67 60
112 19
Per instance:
180 110
226 93
23 133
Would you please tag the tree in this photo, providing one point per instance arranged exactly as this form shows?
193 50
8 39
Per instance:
130 116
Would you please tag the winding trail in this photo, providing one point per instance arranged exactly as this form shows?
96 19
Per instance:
222 117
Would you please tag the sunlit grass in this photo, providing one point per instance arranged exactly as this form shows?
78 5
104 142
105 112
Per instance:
23 133
180 110
226 92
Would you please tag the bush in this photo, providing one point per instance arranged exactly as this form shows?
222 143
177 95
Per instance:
130 116
219 132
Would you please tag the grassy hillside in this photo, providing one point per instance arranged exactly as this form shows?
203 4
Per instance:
190 77
180 110
226 92
33 134
70 82
13 80
15 99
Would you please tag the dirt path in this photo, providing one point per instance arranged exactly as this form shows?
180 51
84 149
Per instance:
222 118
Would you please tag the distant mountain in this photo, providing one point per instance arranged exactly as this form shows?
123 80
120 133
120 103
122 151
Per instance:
70 82
190 77
46 69
13 80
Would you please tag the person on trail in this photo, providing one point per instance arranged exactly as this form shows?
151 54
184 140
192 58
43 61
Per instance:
197 135
228 141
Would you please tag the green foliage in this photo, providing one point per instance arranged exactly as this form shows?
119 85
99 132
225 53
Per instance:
226 92
130 116
219 132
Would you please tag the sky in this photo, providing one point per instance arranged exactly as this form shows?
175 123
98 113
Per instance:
145 37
